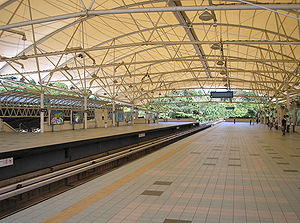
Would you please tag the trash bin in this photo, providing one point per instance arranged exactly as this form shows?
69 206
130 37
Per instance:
105 124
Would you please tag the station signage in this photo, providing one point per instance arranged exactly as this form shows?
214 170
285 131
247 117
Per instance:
229 108
142 135
6 162
221 94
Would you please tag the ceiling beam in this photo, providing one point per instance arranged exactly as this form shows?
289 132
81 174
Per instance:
159 43
184 20
151 10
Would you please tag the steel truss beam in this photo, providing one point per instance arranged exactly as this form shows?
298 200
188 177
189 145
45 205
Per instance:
184 20
167 43
151 10
203 102
190 59
144 30
204 95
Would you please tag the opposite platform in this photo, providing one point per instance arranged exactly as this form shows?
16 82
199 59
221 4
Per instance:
228 173
18 141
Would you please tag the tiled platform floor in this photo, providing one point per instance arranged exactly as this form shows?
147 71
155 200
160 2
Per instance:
18 141
228 173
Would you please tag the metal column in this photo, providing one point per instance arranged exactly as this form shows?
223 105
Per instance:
277 108
85 112
114 113
42 114
132 114
264 114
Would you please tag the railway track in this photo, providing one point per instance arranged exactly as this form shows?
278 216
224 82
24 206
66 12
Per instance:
20 195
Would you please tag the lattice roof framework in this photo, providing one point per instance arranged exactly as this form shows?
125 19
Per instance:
133 51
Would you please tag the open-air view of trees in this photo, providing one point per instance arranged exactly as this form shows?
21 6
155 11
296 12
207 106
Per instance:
191 104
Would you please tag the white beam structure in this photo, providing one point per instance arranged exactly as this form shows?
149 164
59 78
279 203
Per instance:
152 10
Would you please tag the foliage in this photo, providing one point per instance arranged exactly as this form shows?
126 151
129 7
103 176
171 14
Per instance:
191 106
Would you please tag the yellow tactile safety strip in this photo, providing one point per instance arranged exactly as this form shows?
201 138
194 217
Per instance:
86 202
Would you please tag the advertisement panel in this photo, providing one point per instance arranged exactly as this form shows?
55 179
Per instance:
77 117
57 117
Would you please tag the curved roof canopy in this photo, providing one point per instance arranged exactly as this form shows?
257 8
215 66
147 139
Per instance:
135 50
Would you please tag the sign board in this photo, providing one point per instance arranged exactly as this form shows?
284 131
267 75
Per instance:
77 117
142 135
57 117
221 94
6 162
229 108
46 101
298 97
44 109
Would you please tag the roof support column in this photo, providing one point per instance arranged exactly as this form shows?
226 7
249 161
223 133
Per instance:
146 116
264 113
132 113
294 120
42 114
114 113
85 112
277 108
1 125
287 97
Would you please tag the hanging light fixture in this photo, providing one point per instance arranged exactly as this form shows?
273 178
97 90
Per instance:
223 72
220 62
206 16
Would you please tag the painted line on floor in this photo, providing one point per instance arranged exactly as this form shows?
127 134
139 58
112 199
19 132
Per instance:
88 201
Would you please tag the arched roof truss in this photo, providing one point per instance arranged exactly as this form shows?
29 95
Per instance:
134 51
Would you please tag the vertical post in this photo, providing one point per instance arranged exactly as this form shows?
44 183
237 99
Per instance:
277 108
264 114
295 115
42 114
147 116
287 97
114 113
85 112
132 114
1 125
